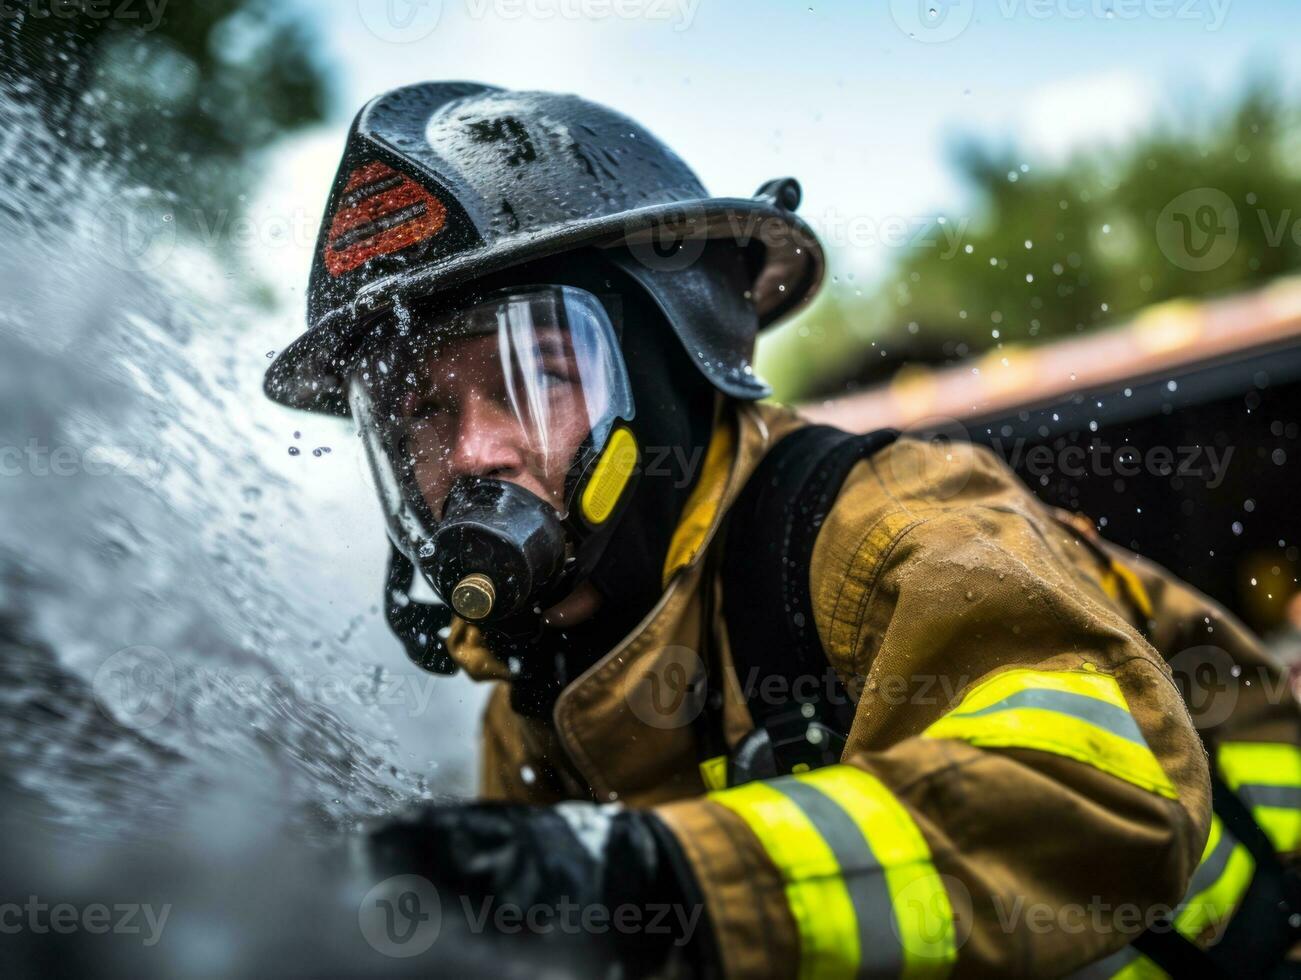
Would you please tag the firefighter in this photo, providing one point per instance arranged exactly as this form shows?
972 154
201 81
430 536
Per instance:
850 706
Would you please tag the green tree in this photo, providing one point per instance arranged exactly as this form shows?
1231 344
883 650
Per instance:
1202 204
173 96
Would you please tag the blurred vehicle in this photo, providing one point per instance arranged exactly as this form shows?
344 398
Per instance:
1176 432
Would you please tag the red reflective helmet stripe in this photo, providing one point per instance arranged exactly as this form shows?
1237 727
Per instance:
380 212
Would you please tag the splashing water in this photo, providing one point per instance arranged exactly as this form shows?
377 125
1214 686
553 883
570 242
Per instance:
189 695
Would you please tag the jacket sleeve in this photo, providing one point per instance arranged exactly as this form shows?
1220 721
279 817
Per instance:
1022 787
1240 695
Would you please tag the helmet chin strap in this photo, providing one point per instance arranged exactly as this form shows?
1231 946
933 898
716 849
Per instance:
418 625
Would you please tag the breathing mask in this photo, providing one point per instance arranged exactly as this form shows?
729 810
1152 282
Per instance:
497 433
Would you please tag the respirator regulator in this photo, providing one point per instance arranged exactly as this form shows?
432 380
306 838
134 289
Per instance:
498 437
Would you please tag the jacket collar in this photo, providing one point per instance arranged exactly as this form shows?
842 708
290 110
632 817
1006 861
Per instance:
619 747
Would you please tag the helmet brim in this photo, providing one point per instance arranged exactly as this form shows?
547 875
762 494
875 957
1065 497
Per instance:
311 373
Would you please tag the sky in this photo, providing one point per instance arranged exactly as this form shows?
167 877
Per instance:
859 99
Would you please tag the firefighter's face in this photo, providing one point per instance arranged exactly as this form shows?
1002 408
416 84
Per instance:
466 417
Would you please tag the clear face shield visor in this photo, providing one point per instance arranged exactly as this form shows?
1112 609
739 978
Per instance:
461 412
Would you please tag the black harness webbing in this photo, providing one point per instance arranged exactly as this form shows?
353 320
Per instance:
418 625
790 689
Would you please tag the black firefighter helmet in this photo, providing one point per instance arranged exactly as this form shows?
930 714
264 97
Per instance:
442 183
446 188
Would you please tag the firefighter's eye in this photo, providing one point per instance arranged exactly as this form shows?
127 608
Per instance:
556 372
426 409
552 379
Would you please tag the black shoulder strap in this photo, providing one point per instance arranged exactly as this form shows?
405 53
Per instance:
417 624
789 687
1265 924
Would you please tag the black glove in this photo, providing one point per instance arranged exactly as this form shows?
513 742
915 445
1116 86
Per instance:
607 882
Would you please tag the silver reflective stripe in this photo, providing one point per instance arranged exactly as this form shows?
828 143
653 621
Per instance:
1209 871
1207 874
1116 720
1259 794
1106 967
878 935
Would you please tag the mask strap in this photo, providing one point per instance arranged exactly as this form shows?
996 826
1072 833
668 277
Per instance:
417 624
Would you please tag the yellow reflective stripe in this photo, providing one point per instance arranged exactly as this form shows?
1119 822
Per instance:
859 879
1221 879
1079 714
1282 827
1218 884
815 890
1266 763
714 773
1001 685
1267 776
1133 588
921 906
702 504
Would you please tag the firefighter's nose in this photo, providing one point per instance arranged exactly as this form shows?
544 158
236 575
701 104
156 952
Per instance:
489 441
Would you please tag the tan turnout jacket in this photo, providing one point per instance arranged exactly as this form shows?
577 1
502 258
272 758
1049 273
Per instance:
1023 783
